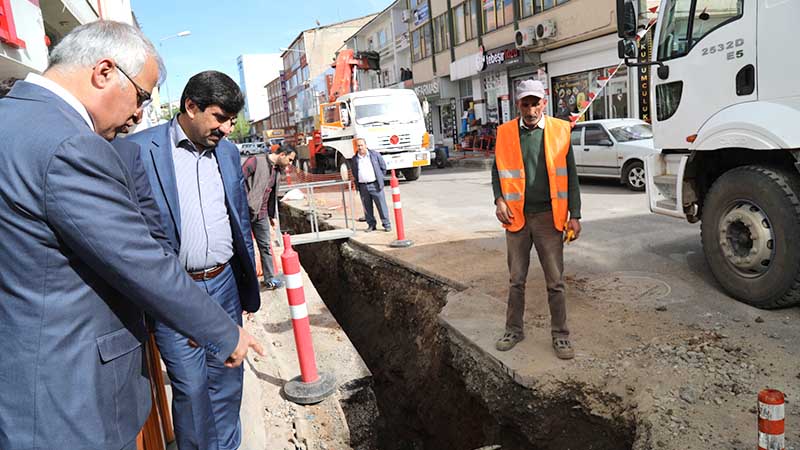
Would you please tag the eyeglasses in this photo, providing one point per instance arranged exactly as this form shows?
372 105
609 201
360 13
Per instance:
142 97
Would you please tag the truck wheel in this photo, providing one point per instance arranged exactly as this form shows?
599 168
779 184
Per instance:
633 176
344 169
412 173
750 229
441 158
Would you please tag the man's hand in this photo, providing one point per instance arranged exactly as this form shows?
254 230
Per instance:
502 212
575 226
246 342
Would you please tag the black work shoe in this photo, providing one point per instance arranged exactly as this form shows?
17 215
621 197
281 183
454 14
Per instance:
387 229
361 219
508 341
369 229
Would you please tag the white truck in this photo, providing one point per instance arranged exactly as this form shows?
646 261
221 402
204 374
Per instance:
389 120
724 79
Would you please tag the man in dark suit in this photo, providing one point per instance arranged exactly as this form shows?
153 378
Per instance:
368 170
197 183
72 373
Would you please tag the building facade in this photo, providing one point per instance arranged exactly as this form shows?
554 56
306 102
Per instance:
467 60
386 34
278 103
309 55
255 71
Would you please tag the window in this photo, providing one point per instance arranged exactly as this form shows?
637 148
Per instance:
632 132
542 5
575 136
459 29
489 16
596 135
471 16
381 38
441 33
673 41
710 15
508 12
668 98
526 8
421 43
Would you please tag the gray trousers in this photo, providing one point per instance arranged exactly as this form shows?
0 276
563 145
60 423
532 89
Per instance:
538 232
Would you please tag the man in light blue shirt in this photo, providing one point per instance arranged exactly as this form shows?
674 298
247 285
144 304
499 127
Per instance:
199 188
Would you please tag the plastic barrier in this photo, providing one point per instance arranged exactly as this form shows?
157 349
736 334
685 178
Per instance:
398 215
311 386
770 420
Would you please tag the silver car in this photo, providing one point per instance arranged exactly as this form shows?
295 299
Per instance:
613 148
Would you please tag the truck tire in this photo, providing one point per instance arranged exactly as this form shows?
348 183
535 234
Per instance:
633 176
412 173
441 158
751 235
344 169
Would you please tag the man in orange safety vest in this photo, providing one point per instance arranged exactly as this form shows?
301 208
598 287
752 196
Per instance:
537 200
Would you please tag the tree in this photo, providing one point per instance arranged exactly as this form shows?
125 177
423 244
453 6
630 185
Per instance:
241 130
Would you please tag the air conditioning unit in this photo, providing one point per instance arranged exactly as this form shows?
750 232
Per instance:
405 15
525 37
546 30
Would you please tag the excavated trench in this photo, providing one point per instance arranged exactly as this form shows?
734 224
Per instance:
435 390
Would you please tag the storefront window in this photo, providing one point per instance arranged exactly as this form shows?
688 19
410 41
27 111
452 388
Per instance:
544 5
427 46
572 94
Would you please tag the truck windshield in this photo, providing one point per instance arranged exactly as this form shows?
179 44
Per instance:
387 109
632 132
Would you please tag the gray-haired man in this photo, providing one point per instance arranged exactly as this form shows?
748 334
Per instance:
79 265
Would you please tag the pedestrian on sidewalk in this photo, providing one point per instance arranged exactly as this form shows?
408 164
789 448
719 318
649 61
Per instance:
368 170
537 200
198 185
262 175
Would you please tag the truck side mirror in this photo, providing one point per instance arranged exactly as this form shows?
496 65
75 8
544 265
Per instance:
626 19
626 49
344 116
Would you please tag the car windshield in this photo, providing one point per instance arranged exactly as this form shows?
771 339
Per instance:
385 110
632 132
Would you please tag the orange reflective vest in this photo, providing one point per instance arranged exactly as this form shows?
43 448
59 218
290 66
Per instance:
511 169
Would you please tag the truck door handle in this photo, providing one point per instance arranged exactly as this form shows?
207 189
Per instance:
746 80
586 149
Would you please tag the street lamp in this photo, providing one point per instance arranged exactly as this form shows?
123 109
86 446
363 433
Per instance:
166 82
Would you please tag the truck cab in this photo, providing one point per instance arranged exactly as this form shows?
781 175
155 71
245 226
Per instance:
727 109
389 120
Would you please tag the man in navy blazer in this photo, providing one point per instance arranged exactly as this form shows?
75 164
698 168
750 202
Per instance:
79 266
199 189
368 170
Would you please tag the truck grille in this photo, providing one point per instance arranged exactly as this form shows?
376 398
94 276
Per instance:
384 141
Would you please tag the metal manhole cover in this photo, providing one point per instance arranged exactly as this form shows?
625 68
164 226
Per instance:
627 289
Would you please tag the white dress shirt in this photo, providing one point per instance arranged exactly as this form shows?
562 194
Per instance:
366 173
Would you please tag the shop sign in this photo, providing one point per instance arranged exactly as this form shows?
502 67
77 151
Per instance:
507 56
427 89
645 52
421 14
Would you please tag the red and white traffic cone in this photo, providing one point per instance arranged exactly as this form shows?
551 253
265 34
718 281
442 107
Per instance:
398 215
770 420
310 387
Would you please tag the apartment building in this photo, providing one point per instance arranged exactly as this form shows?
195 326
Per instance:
472 54
309 55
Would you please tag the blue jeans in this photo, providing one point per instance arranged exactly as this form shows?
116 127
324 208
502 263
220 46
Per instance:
206 395
371 193
262 235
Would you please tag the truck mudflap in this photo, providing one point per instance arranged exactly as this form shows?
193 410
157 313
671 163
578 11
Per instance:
406 160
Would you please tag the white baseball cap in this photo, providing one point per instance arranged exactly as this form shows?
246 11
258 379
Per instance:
530 87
